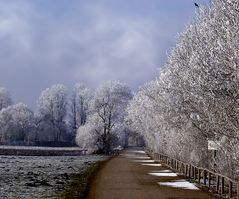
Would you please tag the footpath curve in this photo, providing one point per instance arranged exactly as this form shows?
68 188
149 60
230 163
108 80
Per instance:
133 175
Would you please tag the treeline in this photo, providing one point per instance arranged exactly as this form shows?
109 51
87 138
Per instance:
59 117
195 101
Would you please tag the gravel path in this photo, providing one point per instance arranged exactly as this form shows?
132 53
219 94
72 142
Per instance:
133 175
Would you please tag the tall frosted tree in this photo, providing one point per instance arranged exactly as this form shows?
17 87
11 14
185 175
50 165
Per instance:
107 116
5 98
79 106
196 97
52 109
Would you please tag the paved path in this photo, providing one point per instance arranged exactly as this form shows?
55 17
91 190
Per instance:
127 177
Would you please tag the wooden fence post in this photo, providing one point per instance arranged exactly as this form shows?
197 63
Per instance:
223 182
218 183
209 179
199 176
230 189
204 177
237 190
195 173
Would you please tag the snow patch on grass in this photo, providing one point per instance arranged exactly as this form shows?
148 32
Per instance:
136 156
163 174
141 157
153 165
144 161
161 171
138 151
179 184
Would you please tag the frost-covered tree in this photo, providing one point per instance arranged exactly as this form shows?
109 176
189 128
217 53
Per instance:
107 113
202 71
196 96
52 109
17 125
145 114
79 106
5 98
87 135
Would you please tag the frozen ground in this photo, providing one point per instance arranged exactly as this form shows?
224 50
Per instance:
38 148
23 177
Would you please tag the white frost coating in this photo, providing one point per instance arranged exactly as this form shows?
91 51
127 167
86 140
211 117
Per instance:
105 124
51 114
163 174
17 124
196 95
23 177
153 165
179 184
5 98
37 148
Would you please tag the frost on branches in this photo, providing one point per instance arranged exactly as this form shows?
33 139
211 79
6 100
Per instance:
196 98
99 116
5 98
16 125
52 110
105 125
79 107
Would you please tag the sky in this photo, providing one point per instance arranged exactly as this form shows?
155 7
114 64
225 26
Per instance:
46 42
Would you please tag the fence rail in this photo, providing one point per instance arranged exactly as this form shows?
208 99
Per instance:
223 185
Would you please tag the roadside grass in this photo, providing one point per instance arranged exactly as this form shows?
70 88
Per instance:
80 185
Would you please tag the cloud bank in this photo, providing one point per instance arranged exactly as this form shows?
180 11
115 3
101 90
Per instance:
44 42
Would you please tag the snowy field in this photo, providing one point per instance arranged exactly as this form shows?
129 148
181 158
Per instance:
40 151
23 177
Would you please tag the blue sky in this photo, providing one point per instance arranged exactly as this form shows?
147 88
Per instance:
44 42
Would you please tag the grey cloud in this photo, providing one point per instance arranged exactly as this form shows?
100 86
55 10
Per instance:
43 43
